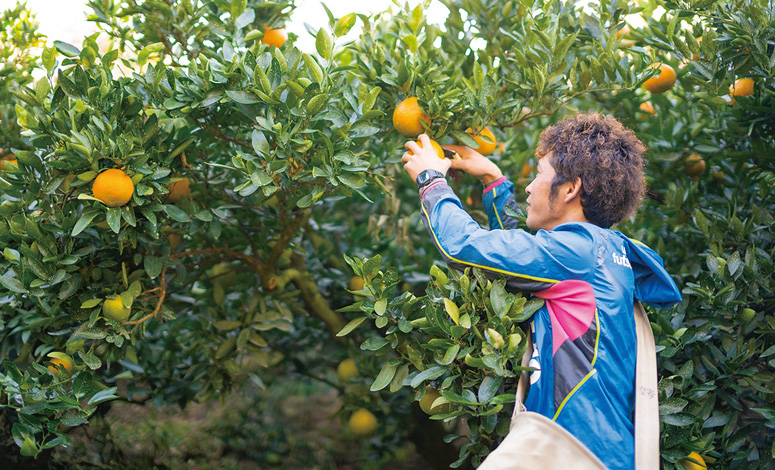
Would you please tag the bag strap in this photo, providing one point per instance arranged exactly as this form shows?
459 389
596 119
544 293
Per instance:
646 396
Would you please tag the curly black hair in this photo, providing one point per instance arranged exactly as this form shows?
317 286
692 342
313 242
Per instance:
607 157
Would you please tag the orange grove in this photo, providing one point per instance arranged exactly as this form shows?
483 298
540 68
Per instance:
407 116
663 82
113 187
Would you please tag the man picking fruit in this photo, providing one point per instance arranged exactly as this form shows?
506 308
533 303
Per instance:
589 177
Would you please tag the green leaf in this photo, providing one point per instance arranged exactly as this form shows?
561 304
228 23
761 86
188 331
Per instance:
13 284
380 306
450 355
344 24
29 448
349 327
374 343
259 143
153 265
324 44
314 69
176 213
104 395
488 388
242 97
384 377
428 374
67 49
82 223
452 310
91 303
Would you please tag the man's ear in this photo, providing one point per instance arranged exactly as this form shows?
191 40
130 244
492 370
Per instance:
572 190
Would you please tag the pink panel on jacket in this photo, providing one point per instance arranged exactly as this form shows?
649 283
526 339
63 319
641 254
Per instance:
571 306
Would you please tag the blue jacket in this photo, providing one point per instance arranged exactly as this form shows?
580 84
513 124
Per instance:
584 335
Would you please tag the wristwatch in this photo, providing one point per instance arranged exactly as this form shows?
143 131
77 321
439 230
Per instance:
426 176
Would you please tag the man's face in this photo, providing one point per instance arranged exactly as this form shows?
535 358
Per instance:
541 212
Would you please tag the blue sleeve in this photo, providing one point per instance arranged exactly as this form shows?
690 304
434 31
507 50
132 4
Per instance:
529 262
496 197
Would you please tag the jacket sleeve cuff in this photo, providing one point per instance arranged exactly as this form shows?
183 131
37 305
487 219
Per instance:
494 184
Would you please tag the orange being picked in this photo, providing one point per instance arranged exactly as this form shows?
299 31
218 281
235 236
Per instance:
485 148
699 463
647 107
662 82
741 87
274 37
436 147
178 189
407 116
113 187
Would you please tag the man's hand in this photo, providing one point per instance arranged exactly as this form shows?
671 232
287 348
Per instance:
423 158
475 164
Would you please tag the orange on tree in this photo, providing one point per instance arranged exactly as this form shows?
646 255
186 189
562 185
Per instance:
426 402
115 310
694 461
178 189
9 159
486 145
741 87
662 82
363 423
113 187
436 147
274 36
407 117
526 170
694 165
647 107
347 370
60 359
356 283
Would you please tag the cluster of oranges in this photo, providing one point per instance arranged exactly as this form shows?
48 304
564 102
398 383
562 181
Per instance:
410 120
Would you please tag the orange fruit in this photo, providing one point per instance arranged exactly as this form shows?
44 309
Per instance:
689 465
55 362
347 370
407 116
623 32
526 170
647 107
431 394
175 241
436 147
356 283
274 37
113 187
363 423
115 310
178 189
694 165
9 159
741 87
485 147
663 82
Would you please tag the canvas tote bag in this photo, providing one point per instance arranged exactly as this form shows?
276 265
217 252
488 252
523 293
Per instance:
536 442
